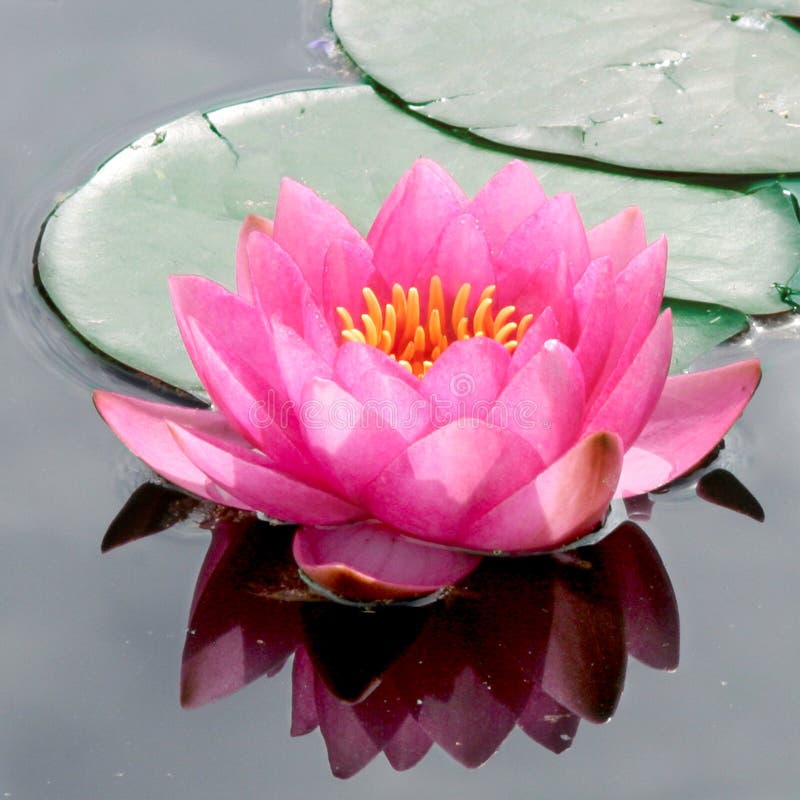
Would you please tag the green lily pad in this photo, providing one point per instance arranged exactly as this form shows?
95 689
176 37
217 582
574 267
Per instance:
173 202
668 84
698 327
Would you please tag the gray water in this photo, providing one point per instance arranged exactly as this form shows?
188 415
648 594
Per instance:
92 644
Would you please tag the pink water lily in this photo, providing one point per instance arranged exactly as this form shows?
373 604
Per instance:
476 375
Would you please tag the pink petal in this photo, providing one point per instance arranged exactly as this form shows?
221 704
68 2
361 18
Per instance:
445 480
465 380
411 220
631 402
620 238
230 348
276 281
306 226
544 327
694 412
258 411
639 290
348 269
460 256
510 197
370 561
544 401
556 227
544 284
251 224
595 307
198 298
282 295
400 406
352 441
142 426
563 503
382 384
355 361
297 362
249 475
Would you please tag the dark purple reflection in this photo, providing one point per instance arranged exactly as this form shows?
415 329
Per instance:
539 643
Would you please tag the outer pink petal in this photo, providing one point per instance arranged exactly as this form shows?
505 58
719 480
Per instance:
142 426
201 299
251 224
460 256
229 345
276 281
556 227
631 402
247 474
509 198
411 220
371 561
620 238
306 226
282 294
595 307
297 362
563 503
348 269
694 412
445 480
257 411
352 441
465 380
639 290
544 402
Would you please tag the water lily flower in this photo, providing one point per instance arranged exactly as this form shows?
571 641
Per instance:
475 376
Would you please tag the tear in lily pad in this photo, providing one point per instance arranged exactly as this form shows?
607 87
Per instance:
174 200
669 85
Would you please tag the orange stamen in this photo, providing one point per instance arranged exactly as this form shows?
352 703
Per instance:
415 342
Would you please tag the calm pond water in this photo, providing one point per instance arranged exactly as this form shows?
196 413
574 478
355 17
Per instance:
92 644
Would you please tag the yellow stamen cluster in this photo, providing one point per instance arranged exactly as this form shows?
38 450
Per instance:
416 341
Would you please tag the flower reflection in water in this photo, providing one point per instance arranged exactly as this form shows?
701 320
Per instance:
539 643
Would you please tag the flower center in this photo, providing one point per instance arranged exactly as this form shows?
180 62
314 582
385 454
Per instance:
416 341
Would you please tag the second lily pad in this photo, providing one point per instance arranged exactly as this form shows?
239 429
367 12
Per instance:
674 85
